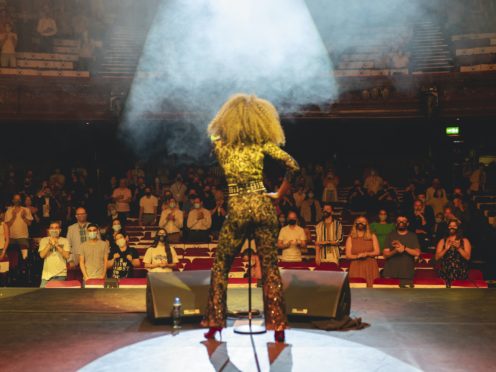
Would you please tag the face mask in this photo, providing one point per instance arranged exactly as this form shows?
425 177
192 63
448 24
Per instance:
453 231
360 226
172 205
92 235
439 220
161 238
197 205
54 233
282 221
382 217
401 226
326 214
120 242
116 227
17 202
292 222
148 193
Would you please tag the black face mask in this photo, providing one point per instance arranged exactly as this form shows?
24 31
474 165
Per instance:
161 238
292 222
326 214
148 193
401 226
453 231
360 226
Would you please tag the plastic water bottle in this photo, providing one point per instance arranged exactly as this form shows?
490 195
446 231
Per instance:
176 313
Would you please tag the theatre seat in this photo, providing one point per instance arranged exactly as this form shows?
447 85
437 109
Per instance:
475 275
295 265
480 283
358 282
429 283
386 283
199 264
463 284
328 266
94 283
63 284
426 274
132 283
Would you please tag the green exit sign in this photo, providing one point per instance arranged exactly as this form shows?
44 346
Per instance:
452 131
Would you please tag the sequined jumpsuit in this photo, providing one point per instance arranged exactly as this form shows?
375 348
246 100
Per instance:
243 165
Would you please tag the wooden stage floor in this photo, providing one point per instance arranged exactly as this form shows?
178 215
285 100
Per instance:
410 329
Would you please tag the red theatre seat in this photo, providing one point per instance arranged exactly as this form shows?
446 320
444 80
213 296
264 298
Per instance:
132 283
475 275
63 284
429 283
386 283
94 283
295 265
199 264
426 274
463 284
328 266
358 282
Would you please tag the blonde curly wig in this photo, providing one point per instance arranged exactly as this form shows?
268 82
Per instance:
247 119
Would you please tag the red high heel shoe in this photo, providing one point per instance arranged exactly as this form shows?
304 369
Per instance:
279 336
210 335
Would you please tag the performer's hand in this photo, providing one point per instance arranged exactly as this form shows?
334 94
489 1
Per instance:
273 195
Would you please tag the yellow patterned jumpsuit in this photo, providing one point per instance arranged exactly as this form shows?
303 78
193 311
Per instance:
248 209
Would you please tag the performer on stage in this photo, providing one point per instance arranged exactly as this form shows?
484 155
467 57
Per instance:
244 131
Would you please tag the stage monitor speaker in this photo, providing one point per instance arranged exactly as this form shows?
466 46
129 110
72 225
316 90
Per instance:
190 286
316 294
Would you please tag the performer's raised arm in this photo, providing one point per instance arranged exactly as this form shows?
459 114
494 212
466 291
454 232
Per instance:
292 167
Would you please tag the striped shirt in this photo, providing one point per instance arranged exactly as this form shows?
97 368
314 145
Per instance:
329 232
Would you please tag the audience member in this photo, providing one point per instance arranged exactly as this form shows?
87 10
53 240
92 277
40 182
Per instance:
122 258
292 240
362 247
178 190
382 228
387 198
18 219
311 211
4 236
219 214
373 183
256 269
453 254
299 196
8 45
171 220
421 220
199 223
47 29
55 251
356 197
122 198
436 185
440 228
48 207
93 255
160 257
148 208
438 201
77 234
477 180
401 249
329 237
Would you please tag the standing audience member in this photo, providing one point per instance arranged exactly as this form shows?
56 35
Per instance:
382 228
8 45
218 216
440 228
356 197
421 221
172 220
311 211
93 255
160 257
122 198
77 234
453 253
299 197
18 219
373 183
55 251
329 236
436 186
47 29
148 208
438 201
199 223
292 239
4 236
477 180
122 258
401 249
362 247
178 190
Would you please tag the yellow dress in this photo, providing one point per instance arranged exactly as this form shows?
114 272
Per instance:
249 209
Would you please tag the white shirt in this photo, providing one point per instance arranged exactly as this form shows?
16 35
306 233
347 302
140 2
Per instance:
288 233
2 235
19 228
194 223
171 226
54 263
47 26
149 204
157 255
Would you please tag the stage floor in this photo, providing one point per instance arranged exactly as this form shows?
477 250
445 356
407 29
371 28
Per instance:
106 329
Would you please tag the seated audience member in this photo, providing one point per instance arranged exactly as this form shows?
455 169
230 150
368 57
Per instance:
160 257
18 219
93 255
4 236
386 197
199 223
311 210
282 220
122 258
453 254
382 228
438 201
421 221
218 216
292 239
55 251
256 269
330 192
409 196
77 234
461 210
362 247
329 236
356 197
178 190
449 215
148 208
436 185
299 196
47 29
401 249
373 183
172 220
